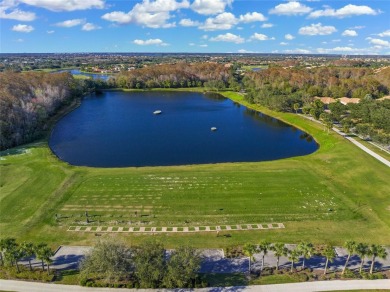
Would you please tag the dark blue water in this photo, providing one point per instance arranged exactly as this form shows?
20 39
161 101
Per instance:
119 129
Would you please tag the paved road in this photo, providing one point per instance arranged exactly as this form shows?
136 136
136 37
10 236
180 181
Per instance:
364 148
19 286
361 146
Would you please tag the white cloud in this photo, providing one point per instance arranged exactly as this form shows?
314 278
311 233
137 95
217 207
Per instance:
317 29
243 51
90 26
385 33
150 14
349 32
252 17
336 50
22 28
156 42
289 37
298 51
283 44
14 13
65 5
358 27
188 22
378 42
203 46
228 37
210 7
346 11
222 21
260 37
267 25
50 31
290 8
70 22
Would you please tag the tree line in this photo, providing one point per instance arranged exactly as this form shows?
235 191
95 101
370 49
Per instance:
150 265
12 252
306 250
181 75
28 100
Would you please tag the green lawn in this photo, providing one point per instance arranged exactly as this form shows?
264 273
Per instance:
334 194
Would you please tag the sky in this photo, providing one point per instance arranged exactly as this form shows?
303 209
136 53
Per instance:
198 26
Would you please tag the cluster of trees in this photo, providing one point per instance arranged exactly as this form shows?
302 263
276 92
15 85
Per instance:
28 100
147 265
369 118
279 88
306 250
11 253
174 76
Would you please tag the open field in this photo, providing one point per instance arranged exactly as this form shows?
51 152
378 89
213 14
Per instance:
334 194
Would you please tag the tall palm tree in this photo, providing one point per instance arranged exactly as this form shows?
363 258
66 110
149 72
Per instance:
47 254
39 251
293 256
376 250
280 250
307 250
249 250
330 254
361 250
350 245
9 248
264 248
28 251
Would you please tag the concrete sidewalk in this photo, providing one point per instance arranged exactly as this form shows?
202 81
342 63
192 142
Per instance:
20 286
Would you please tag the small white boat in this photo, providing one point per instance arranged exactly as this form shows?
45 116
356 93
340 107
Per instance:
213 128
157 112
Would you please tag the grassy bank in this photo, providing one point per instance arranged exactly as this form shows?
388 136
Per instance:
334 194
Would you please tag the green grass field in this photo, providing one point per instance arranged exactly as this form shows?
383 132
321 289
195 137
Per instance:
334 194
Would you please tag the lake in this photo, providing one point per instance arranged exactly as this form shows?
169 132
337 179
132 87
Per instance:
119 129
104 77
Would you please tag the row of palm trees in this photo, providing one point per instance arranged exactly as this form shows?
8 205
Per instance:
306 250
12 252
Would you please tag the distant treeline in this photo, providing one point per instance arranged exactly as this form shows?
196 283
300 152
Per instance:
28 100
288 89
279 88
179 75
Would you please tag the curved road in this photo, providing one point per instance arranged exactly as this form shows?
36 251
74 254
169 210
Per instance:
20 286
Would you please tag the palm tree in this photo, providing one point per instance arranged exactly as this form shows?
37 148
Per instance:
28 251
293 256
361 250
249 250
264 247
376 251
307 250
9 248
350 245
279 250
296 107
330 254
40 253
47 254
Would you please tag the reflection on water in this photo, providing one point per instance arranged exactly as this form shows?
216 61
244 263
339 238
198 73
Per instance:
119 129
